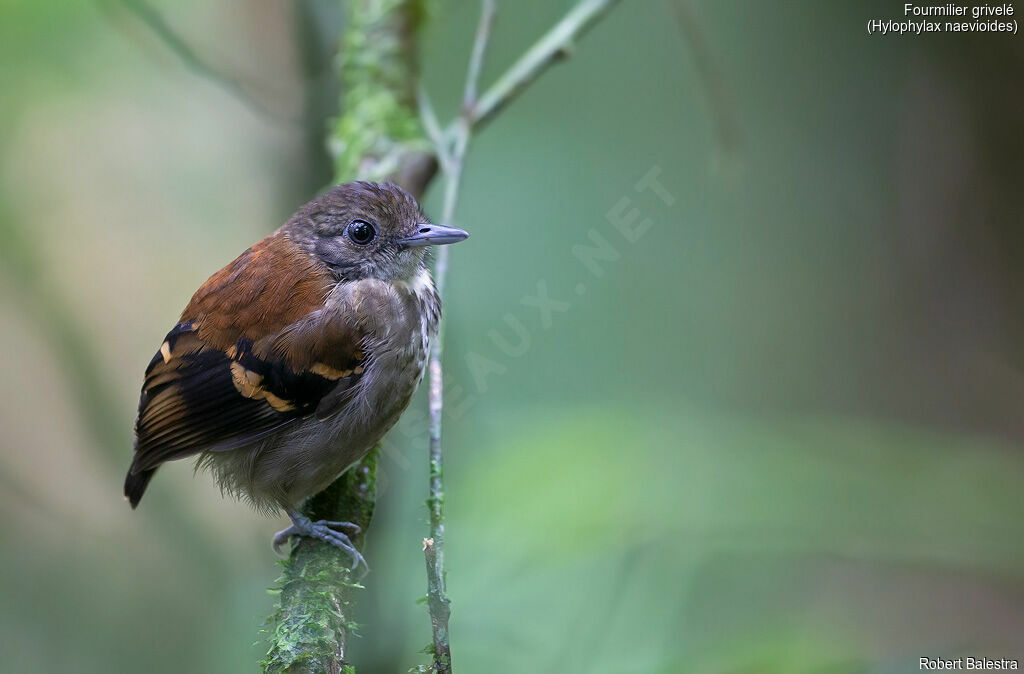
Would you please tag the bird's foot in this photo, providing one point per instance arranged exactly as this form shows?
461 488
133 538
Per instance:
323 530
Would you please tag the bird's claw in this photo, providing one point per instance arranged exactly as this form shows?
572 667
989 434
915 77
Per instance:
282 537
323 530
351 526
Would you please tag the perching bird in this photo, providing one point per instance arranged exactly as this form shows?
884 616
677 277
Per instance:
291 362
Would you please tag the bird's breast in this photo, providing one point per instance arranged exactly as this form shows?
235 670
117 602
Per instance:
397 339
399 345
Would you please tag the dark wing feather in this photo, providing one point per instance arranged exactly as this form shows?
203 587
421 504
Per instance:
213 386
191 403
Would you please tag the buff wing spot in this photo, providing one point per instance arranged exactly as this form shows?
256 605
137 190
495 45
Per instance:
246 382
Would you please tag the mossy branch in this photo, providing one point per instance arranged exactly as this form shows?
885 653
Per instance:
377 137
308 630
380 136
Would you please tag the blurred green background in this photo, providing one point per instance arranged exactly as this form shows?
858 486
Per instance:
782 432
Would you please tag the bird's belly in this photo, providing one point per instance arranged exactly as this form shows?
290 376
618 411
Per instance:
307 458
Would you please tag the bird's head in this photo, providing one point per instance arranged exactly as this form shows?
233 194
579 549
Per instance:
368 230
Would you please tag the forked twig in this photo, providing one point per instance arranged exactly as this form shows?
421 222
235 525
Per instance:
553 45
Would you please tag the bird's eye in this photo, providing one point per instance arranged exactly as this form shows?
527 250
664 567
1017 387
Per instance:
361 232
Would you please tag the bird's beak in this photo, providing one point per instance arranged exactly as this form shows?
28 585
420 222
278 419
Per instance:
434 235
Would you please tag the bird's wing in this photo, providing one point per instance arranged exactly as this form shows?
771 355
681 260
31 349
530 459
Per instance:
252 352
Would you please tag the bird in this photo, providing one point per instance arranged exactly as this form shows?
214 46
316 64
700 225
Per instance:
290 363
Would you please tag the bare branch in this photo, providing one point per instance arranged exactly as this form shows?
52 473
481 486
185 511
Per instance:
476 58
434 546
556 43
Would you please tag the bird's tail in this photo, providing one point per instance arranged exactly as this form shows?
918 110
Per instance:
135 485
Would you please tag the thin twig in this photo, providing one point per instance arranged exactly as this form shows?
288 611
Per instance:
476 57
556 43
428 118
723 111
433 547
190 58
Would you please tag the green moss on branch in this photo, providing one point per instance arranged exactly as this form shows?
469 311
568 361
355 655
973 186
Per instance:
377 137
